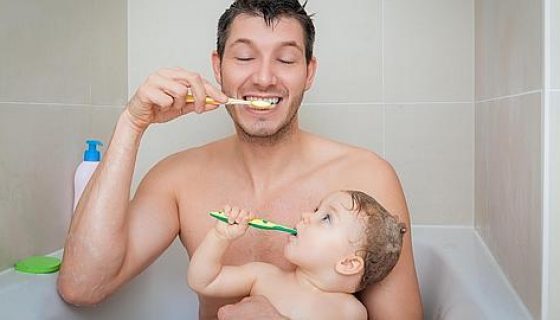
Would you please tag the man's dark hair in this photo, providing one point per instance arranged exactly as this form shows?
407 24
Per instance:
270 11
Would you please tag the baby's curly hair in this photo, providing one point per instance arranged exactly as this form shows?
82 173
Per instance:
384 236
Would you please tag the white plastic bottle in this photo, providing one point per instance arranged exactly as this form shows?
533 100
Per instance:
86 169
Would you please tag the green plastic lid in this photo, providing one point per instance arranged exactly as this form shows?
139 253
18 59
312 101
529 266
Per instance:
38 265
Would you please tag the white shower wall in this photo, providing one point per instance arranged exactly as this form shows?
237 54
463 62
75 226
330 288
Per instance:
509 133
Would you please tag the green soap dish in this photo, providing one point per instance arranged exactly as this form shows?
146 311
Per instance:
38 265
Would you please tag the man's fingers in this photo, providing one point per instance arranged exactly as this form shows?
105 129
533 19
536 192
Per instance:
159 98
199 87
175 89
223 312
214 92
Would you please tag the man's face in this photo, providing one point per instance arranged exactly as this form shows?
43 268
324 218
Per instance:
264 62
327 235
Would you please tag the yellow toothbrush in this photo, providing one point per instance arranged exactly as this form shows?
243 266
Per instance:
257 104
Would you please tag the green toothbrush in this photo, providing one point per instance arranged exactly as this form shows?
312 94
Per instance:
256 223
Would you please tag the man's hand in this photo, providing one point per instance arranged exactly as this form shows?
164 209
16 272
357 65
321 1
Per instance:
255 307
162 97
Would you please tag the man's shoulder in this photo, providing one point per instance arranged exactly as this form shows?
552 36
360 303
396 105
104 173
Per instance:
190 160
195 155
352 156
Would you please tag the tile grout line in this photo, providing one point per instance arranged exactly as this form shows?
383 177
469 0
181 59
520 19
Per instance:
473 108
526 93
545 140
386 103
384 107
59 104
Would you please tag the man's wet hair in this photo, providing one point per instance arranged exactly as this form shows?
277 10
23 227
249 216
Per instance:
271 11
384 237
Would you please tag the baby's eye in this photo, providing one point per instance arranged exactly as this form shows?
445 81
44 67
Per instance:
326 218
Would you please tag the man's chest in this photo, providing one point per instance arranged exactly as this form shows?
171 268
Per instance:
282 206
281 203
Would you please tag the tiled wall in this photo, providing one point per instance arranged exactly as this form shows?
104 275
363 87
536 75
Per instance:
554 160
62 80
394 76
508 160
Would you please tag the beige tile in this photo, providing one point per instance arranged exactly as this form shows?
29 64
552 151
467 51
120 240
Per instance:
162 140
348 49
64 51
41 147
508 46
555 45
109 53
171 33
554 225
45 51
428 50
431 147
509 191
356 124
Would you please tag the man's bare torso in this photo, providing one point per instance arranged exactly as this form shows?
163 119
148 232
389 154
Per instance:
209 177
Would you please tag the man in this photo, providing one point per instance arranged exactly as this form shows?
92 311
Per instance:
270 166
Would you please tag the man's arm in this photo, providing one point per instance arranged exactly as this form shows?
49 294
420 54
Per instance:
398 295
111 240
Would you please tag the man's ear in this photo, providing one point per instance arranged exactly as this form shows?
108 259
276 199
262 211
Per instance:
350 265
311 69
216 66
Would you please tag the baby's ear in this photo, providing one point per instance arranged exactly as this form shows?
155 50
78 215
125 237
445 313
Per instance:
350 265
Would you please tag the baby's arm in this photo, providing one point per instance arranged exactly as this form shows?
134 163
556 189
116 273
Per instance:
207 275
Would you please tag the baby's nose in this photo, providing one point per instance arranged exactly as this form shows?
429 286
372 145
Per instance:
306 216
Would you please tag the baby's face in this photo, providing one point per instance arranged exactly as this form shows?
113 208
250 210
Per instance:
327 235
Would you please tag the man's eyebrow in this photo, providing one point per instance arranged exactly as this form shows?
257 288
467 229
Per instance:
242 41
290 43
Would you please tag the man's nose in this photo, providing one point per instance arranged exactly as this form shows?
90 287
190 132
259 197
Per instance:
265 76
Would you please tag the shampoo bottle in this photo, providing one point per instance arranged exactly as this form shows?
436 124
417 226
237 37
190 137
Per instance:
86 169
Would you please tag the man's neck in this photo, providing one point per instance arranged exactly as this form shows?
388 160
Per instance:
269 162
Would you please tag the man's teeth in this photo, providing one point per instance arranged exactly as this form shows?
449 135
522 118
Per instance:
272 100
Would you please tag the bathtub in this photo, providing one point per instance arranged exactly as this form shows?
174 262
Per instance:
458 277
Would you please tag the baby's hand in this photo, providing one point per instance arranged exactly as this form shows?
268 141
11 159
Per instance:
237 225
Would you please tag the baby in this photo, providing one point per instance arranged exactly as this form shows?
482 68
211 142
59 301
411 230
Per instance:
349 242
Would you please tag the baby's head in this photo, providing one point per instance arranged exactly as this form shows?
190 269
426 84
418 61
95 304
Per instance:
383 237
349 242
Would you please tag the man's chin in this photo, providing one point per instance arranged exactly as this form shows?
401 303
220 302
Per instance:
260 132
